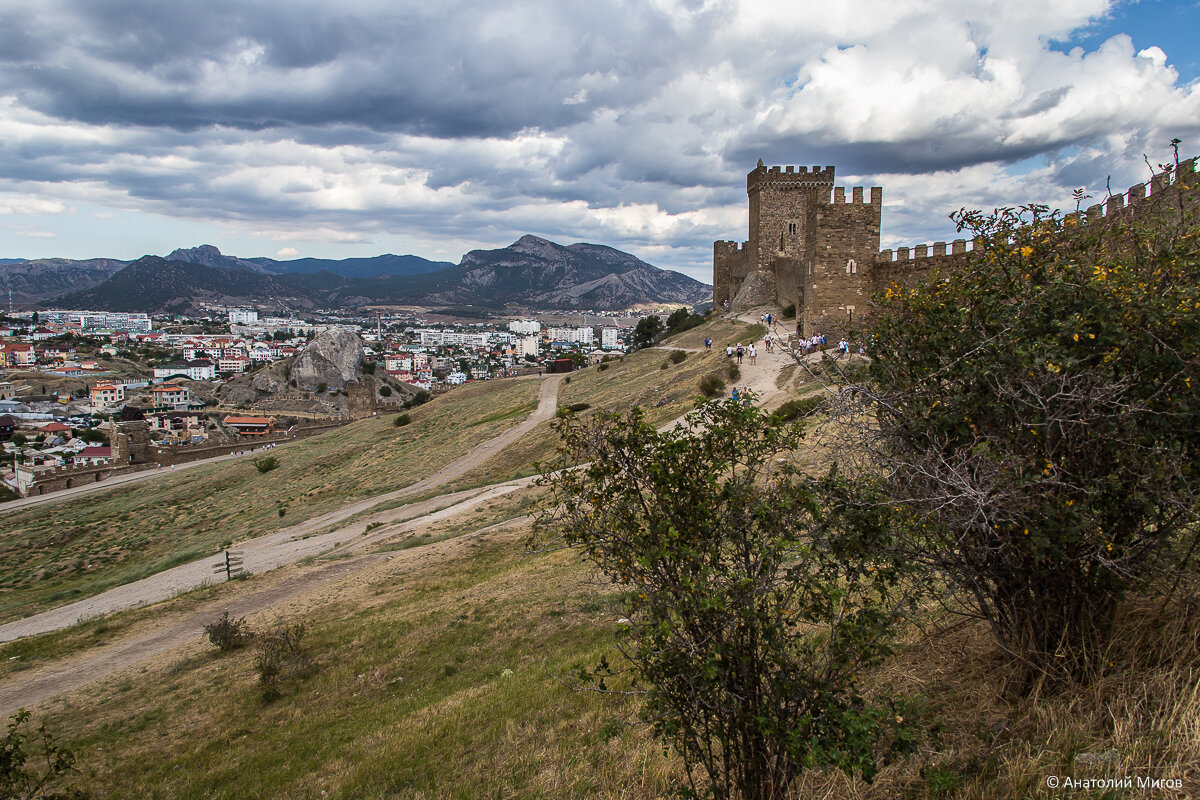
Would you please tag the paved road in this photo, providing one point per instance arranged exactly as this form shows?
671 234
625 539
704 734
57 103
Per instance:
116 480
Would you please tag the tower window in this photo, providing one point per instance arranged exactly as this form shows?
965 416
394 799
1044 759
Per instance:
851 267
791 229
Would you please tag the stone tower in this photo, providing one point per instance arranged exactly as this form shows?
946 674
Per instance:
807 245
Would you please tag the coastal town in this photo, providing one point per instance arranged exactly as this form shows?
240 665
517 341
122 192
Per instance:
69 376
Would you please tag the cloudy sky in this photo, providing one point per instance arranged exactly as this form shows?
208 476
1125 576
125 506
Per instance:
360 127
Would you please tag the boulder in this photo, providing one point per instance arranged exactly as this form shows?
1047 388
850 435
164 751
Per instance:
334 358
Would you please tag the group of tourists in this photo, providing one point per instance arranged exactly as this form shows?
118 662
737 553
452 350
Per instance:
739 352
743 395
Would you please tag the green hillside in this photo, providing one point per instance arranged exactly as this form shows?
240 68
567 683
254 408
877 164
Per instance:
444 667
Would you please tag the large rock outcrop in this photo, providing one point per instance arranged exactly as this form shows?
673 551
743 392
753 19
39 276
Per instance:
334 358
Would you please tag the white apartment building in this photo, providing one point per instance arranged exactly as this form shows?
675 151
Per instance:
578 335
98 320
242 316
608 338
403 363
432 338
528 346
525 326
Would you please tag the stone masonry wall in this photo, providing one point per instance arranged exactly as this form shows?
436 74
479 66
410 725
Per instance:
846 244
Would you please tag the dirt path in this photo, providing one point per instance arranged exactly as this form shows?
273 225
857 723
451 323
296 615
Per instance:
31 688
297 542
25 689
285 547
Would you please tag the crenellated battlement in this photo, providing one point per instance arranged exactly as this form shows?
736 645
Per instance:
1176 179
856 196
789 177
937 249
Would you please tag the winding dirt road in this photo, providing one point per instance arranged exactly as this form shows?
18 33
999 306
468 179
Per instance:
292 544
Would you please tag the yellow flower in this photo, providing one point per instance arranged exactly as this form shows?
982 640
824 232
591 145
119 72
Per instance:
1027 251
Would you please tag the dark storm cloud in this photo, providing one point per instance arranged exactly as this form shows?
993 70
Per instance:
625 122
446 70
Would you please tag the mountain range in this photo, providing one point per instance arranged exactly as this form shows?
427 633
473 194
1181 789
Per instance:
531 273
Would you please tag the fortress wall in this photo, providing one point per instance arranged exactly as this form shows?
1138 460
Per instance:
730 267
845 247
806 240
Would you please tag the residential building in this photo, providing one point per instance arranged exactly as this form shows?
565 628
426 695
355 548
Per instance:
16 355
171 396
197 370
251 426
608 338
103 395
236 364
528 346
242 316
92 456
525 326
582 336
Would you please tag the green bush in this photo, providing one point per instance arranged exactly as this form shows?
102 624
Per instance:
385 391
797 409
265 464
712 386
321 387
402 420
227 634
677 356
280 656
749 633
733 371
789 311
420 398
1038 411
33 764
601 366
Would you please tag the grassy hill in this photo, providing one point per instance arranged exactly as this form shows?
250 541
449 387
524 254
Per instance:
50 555
442 669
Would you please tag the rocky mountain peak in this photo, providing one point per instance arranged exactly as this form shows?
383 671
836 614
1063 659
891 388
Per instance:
205 254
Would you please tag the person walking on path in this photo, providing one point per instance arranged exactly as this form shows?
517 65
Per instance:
753 355
729 351
741 351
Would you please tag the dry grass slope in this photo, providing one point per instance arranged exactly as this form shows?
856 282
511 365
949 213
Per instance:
53 555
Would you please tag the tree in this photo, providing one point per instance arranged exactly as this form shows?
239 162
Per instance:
751 608
1037 416
31 764
647 332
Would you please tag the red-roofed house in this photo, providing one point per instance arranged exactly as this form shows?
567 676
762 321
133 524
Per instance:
92 456
18 354
171 397
54 428
104 395
251 426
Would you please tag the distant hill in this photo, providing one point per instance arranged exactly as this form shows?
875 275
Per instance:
374 266
152 284
30 281
530 273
